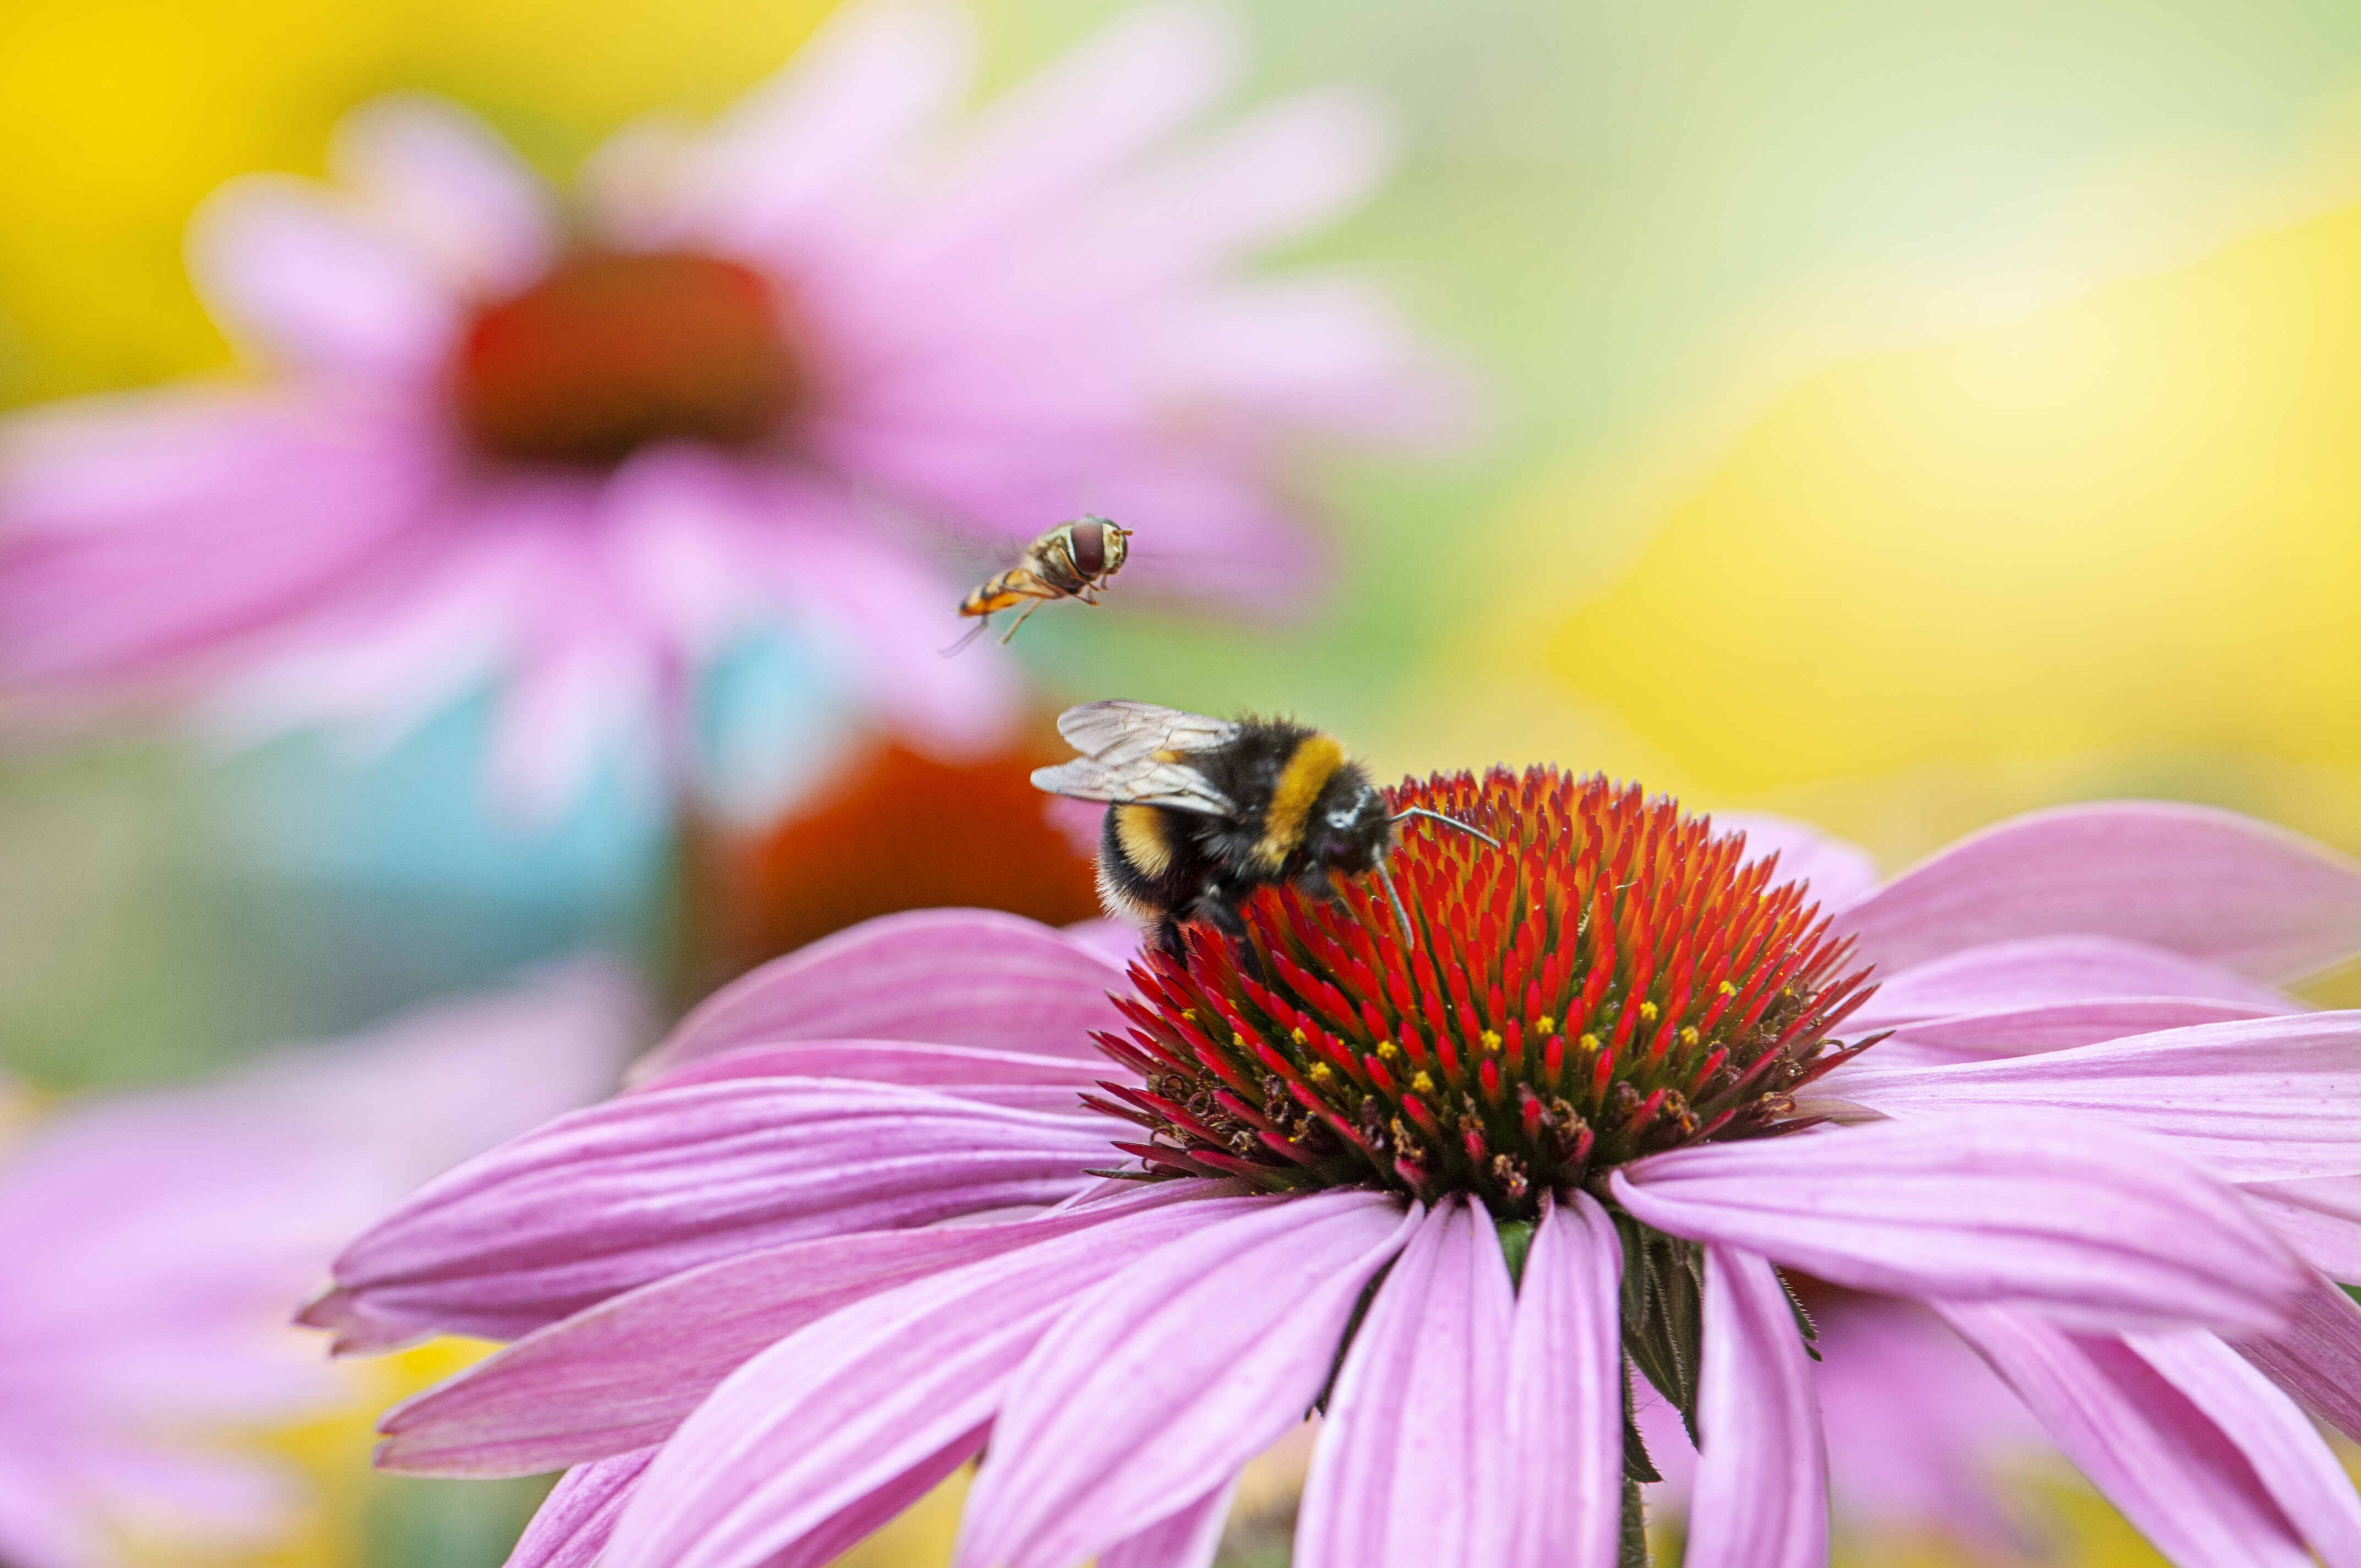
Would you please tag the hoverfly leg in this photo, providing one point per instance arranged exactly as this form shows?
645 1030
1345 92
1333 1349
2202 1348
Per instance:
978 630
1028 610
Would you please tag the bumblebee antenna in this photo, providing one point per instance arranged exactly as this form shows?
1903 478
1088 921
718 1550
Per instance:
1385 879
1472 831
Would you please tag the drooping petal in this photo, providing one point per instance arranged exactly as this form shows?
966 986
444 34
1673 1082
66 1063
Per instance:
849 1405
2139 1440
307 285
1186 1539
647 1185
2069 1219
994 1078
2044 971
142 529
2055 1026
1761 1498
2212 884
954 977
2321 1218
571 1527
623 1373
2263 1099
1160 1385
1564 1400
2287 1456
2317 1357
1839 874
1413 1464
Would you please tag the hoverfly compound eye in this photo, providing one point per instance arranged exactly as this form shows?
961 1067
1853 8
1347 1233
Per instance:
1089 547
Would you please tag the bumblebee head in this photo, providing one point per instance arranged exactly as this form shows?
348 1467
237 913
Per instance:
1353 832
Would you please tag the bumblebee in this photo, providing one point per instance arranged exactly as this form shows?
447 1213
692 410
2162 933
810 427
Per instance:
1204 811
1070 562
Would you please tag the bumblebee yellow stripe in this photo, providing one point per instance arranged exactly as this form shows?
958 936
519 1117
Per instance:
1139 830
1307 773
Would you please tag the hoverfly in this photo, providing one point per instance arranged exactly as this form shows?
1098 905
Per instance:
1072 561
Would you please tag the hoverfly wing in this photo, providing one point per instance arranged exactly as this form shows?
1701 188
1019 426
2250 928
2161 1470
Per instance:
1142 780
1117 732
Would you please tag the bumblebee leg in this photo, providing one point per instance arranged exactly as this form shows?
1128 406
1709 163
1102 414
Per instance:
1166 941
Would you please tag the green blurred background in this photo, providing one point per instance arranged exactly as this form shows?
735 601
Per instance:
1902 414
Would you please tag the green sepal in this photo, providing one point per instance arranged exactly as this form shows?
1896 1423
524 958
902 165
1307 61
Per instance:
1664 1313
1516 1245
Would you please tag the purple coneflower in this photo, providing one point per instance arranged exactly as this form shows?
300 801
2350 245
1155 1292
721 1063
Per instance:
853 1231
151 1241
746 383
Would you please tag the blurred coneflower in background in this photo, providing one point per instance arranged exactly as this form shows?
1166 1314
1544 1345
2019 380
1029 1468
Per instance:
742 382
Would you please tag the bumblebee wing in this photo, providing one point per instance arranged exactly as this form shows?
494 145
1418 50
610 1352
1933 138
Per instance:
1139 781
1119 731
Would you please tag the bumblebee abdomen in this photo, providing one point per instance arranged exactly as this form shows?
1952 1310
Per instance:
1149 861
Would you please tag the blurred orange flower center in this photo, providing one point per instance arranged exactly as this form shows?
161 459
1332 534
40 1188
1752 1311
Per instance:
611 351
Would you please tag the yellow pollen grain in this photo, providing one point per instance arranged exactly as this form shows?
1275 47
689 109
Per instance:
1320 1074
1590 1044
1726 988
1492 1039
1388 1052
1422 1083
1296 1034
1647 1012
1190 1014
1689 1036
1545 1024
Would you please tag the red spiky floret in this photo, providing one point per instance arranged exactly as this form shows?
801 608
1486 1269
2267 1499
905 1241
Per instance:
1615 979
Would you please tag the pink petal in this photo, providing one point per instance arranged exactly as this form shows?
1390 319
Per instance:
1133 82
851 1405
603 1199
625 1372
2263 1099
816 136
2058 1025
2139 1440
1838 874
1316 354
1564 1398
2035 1212
1160 1385
2293 1464
1188 1539
2211 884
2317 1357
2321 1218
954 977
885 612
2045 971
571 1527
306 284
1761 1498
992 1078
144 529
444 183
1414 1463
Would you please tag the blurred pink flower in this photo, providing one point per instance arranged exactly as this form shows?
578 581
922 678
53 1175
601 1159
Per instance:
801 1272
154 1242
749 380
